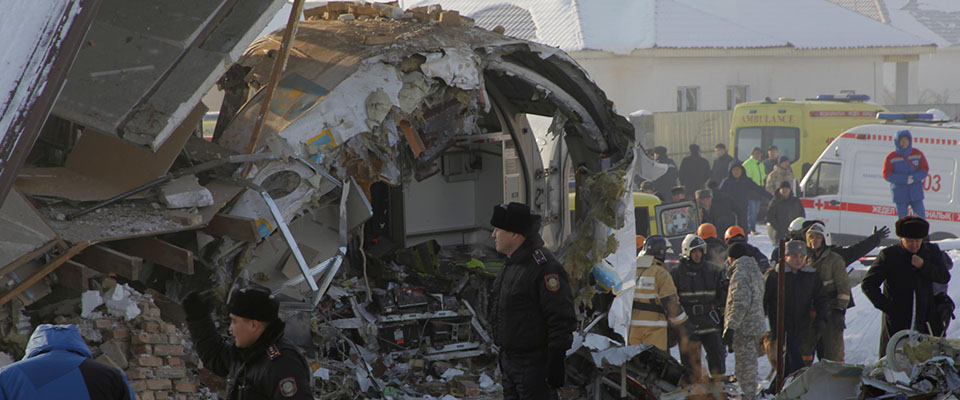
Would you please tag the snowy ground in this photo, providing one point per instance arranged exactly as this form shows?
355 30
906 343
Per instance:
862 336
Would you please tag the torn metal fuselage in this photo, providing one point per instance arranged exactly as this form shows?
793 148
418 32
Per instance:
437 113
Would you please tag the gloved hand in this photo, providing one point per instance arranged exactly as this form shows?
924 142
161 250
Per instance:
197 304
556 370
728 338
910 180
882 231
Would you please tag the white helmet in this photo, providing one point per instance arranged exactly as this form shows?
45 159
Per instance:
796 225
690 243
821 230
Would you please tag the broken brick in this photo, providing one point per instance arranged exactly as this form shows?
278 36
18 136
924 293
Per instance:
148 338
148 361
186 387
159 384
168 350
450 18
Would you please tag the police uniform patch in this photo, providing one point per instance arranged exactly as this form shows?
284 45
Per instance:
288 387
552 282
539 257
273 352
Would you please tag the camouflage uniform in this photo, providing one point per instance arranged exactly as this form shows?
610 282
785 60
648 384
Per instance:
777 176
836 286
744 315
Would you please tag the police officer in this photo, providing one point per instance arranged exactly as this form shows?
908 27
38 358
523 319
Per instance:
702 291
57 364
533 314
260 363
655 302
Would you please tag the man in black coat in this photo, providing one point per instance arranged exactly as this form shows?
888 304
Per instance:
738 187
907 271
805 306
665 183
721 165
723 211
773 157
260 363
784 207
533 315
694 171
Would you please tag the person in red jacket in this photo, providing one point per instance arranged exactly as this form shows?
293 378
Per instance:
905 169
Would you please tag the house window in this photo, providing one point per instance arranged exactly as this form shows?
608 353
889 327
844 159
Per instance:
736 94
688 98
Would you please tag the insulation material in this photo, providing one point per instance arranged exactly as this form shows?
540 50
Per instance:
624 259
455 66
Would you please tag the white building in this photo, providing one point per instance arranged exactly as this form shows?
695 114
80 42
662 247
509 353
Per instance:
937 21
682 55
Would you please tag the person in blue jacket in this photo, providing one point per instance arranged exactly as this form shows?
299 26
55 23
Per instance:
905 168
58 365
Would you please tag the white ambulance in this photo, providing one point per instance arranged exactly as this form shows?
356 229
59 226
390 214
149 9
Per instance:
845 186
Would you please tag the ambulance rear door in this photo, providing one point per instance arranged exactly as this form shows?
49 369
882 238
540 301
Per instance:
821 191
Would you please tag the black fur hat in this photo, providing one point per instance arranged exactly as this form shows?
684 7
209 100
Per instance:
516 218
254 303
912 227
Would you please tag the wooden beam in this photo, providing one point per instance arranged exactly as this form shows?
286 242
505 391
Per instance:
110 261
236 228
46 270
27 258
159 252
75 276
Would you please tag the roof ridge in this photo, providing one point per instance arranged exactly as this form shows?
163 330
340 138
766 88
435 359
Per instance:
578 32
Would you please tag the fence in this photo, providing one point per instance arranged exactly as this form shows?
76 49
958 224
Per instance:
678 130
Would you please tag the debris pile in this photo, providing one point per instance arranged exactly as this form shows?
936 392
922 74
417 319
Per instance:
124 328
363 204
916 366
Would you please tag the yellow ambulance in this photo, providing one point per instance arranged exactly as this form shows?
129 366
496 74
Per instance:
799 129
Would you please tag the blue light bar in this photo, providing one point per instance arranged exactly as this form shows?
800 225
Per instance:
752 112
905 116
843 97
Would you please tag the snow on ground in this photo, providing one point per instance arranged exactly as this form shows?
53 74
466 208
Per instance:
862 336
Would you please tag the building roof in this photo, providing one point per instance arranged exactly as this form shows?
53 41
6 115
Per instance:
934 20
623 26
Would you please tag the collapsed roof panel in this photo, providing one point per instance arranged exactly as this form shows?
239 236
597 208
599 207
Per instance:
148 65
40 42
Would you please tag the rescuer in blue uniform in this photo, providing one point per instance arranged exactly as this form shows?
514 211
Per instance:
57 364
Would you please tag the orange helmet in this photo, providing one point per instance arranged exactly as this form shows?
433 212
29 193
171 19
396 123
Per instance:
733 232
707 231
640 240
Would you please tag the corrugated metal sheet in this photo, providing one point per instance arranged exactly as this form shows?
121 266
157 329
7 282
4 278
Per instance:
678 130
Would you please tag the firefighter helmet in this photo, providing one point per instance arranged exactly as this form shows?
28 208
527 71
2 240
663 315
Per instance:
656 246
821 230
732 233
690 243
796 225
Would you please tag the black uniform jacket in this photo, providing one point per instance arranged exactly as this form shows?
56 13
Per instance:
533 305
804 301
702 288
272 368
901 282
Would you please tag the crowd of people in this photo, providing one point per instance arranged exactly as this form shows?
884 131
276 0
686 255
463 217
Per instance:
727 296
731 192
